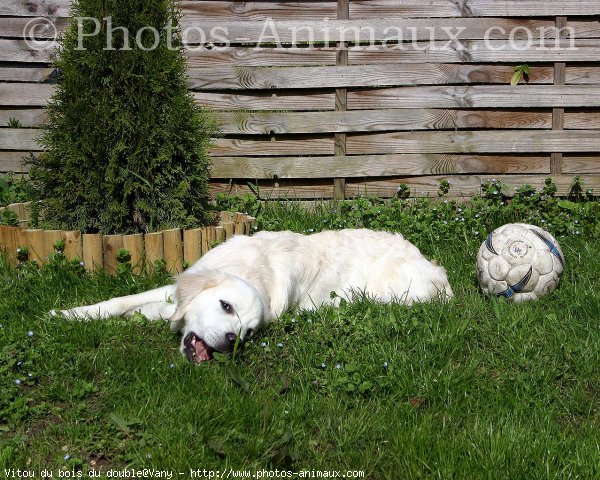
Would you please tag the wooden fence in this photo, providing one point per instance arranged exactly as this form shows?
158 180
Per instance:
175 247
363 114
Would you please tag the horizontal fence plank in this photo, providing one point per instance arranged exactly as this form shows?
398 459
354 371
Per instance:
34 117
25 94
498 141
470 51
583 75
20 51
35 8
472 8
323 30
579 165
376 30
467 141
274 101
480 96
239 56
224 10
19 139
478 51
375 166
36 95
267 78
40 28
252 78
13 161
582 120
463 186
284 10
310 146
269 123
27 74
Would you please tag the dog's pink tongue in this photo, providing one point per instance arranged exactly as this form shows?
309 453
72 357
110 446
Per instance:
202 352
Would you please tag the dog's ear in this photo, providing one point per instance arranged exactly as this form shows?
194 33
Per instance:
189 286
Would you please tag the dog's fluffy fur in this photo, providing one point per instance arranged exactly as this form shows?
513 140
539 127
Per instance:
248 282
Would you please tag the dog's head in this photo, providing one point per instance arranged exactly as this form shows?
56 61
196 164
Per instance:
215 311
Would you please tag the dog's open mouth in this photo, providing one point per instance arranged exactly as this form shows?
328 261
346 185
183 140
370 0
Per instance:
196 349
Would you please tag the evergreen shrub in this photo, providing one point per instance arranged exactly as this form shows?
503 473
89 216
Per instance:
126 146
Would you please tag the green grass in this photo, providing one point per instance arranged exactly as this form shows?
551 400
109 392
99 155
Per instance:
477 388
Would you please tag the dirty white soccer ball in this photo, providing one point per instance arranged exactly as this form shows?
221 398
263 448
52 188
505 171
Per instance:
519 262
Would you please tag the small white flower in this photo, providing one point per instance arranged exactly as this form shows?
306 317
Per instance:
18 250
172 365
576 232
81 263
30 333
338 366
323 365
280 344
263 344
17 382
385 364
67 457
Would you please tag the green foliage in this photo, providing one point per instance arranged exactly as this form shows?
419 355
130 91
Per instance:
440 220
9 218
126 145
521 73
246 203
14 190
14 123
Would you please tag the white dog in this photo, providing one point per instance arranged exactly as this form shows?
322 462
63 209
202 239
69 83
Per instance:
247 282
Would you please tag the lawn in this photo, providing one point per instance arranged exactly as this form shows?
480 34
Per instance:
476 388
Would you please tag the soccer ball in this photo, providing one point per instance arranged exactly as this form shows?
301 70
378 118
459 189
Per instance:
519 262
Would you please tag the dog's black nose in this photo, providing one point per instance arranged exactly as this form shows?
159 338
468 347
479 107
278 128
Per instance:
231 338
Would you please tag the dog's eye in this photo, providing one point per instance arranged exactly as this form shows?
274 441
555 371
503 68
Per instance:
226 306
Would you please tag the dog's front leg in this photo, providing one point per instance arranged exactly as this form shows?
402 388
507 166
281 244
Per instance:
154 302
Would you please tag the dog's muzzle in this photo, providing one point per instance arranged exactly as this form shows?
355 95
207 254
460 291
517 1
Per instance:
197 350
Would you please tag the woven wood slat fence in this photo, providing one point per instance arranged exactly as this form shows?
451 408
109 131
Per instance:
355 113
175 247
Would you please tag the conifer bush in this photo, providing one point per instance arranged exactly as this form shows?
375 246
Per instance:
126 146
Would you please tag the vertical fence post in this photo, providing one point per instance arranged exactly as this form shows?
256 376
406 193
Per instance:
112 244
73 247
154 248
92 251
558 114
36 244
134 244
341 101
173 246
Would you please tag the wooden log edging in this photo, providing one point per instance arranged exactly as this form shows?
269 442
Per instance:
177 248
